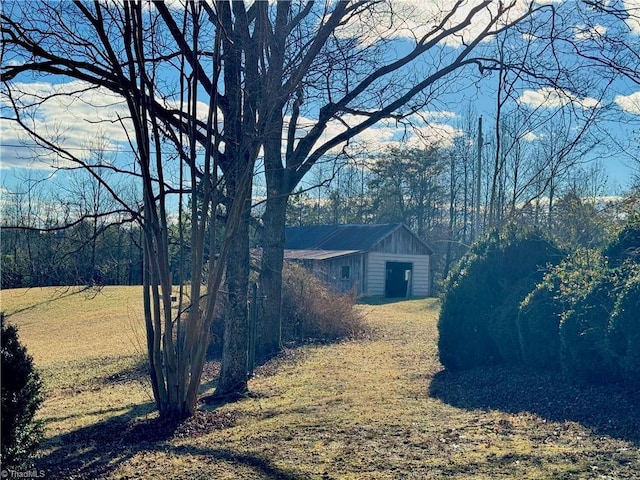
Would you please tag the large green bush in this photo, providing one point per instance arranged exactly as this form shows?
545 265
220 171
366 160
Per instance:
598 328
623 332
583 316
21 397
585 356
541 311
538 323
478 319
464 340
625 246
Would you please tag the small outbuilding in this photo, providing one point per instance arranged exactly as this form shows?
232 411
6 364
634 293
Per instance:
373 260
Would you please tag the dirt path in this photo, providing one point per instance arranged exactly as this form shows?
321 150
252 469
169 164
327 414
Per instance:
357 407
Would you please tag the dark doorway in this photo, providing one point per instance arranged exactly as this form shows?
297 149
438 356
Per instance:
398 281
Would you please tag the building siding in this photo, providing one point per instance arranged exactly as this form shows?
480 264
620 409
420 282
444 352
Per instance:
401 242
365 249
330 271
377 267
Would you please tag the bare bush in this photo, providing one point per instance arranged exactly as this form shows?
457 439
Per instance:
313 311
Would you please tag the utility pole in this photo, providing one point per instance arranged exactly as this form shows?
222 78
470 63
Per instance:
476 220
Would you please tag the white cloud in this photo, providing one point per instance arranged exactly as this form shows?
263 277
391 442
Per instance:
426 129
582 32
586 102
72 115
372 137
629 103
530 137
414 19
545 97
436 134
432 115
387 133
633 10
548 97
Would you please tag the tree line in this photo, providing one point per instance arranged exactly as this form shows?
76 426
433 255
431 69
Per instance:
424 188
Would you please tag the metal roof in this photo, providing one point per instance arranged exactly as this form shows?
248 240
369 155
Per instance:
350 237
317 254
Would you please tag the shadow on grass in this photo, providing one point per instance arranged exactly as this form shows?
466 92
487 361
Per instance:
96 451
605 409
91 291
384 300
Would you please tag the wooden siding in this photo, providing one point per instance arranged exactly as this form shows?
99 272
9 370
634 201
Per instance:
403 242
376 273
365 250
330 271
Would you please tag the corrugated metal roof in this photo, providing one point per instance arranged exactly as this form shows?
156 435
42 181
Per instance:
337 237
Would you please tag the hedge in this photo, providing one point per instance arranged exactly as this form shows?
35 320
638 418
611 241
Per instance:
541 312
478 319
585 356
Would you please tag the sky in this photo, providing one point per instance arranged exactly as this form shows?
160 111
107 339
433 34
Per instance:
94 118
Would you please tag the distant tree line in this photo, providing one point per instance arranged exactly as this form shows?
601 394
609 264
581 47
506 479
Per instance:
72 257
431 190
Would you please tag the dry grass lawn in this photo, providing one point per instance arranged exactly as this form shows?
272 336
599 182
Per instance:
372 408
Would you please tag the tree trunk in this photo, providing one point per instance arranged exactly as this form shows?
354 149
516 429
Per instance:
268 342
269 319
235 341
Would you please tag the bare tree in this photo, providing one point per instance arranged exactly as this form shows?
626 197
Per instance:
344 70
122 48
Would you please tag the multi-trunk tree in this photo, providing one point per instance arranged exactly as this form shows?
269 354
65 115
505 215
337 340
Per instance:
174 153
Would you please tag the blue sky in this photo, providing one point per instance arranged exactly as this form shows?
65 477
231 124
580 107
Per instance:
91 119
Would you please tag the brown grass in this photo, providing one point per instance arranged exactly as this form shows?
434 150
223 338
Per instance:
378 408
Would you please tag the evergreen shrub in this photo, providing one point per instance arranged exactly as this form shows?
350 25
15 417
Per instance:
478 319
623 331
538 326
600 327
526 258
585 356
21 398
541 311
625 246
464 340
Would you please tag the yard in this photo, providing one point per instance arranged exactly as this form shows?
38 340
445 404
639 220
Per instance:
372 408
